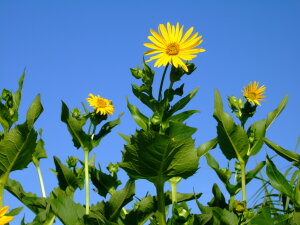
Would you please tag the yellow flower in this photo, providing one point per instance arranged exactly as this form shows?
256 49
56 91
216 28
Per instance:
253 93
101 105
171 46
5 219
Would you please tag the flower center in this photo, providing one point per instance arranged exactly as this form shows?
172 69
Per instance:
172 49
101 103
252 96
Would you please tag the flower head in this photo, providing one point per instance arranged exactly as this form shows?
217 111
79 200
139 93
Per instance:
172 46
101 105
5 219
253 93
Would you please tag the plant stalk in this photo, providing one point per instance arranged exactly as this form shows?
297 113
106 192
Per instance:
162 82
174 192
3 180
87 185
41 181
160 202
244 197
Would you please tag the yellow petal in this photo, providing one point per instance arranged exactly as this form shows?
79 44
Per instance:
3 210
186 35
6 219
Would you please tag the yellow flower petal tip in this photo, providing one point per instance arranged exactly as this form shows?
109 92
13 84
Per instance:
101 105
5 219
173 46
253 93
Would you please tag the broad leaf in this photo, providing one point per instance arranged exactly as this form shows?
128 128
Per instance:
256 132
288 155
183 102
65 175
80 138
206 147
119 199
103 182
272 115
151 155
138 117
232 138
180 117
277 180
69 212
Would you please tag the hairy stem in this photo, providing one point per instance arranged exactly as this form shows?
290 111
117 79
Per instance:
160 202
87 185
41 181
162 82
3 180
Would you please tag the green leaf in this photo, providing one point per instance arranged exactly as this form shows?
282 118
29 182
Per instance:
138 117
97 215
179 131
65 175
218 199
39 152
256 132
272 115
277 180
264 217
31 201
69 212
14 211
252 173
145 208
225 217
119 199
232 138
183 102
106 129
103 182
204 148
151 155
17 148
288 155
180 117
80 138
125 137
34 110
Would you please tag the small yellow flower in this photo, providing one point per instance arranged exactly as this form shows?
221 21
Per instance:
101 105
5 219
253 93
172 46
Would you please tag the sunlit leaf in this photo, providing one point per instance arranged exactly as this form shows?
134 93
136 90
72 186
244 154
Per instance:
277 180
272 115
138 117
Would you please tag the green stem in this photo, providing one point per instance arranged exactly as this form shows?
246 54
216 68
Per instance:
87 185
231 203
160 202
41 181
162 82
244 197
174 192
3 180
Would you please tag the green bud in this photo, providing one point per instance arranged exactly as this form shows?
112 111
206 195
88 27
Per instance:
72 161
137 72
227 173
155 120
6 95
239 206
113 168
191 68
76 113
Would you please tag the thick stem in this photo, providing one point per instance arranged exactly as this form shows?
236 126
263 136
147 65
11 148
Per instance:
162 82
174 192
231 203
41 181
243 173
87 185
3 180
160 202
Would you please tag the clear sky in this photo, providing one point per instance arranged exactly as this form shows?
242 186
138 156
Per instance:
73 48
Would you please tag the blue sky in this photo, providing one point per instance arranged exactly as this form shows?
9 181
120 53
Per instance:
73 48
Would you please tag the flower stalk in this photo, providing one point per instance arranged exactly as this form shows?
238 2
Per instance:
162 82
160 202
38 169
87 182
